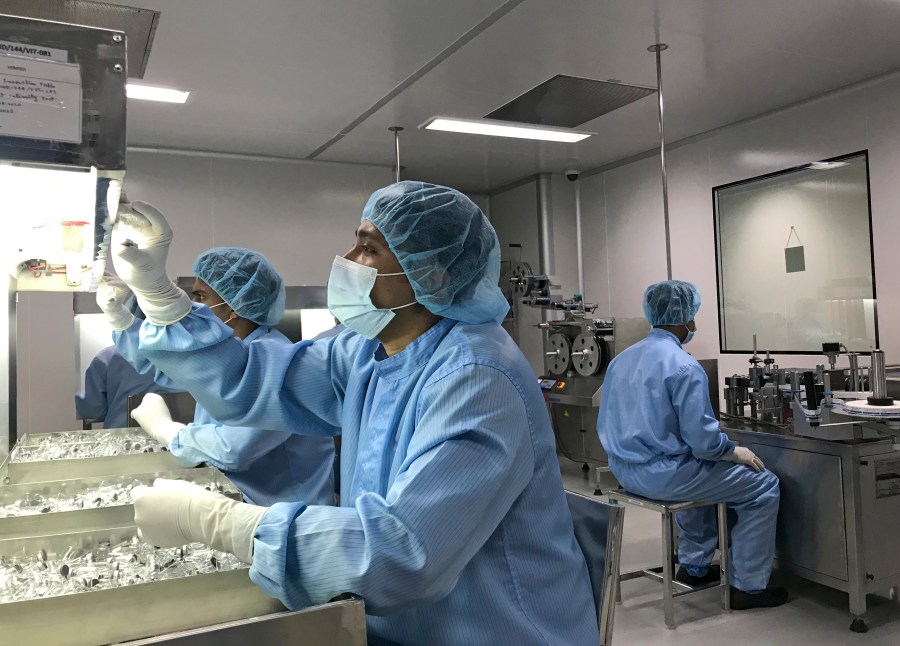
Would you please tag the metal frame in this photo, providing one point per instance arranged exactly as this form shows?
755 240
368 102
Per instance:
606 604
338 623
674 589
719 278
92 518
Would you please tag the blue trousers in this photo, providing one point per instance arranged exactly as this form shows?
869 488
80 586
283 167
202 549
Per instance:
750 496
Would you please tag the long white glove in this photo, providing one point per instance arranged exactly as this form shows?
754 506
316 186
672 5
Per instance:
140 245
154 417
743 455
111 296
175 512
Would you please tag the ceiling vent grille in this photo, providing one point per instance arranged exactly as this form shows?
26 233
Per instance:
569 101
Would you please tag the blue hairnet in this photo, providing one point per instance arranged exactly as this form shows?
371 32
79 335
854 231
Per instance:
671 302
446 246
246 280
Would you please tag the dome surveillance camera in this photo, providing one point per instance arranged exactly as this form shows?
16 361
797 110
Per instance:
572 174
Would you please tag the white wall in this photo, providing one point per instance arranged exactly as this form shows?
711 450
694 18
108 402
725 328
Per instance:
623 219
299 215
514 214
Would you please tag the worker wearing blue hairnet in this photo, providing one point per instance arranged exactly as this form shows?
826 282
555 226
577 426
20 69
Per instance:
453 525
108 382
244 291
664 442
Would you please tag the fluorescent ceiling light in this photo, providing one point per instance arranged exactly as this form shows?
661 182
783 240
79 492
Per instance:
151 93
496 128
827 165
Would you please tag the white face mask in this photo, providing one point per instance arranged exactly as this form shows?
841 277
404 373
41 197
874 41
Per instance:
349 297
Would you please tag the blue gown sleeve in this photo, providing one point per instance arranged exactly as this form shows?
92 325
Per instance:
266 384
228 448
470 458
92 403
697 423
127 343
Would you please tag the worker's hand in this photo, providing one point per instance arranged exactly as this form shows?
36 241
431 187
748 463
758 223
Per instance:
154 417
174 512
743 455
111 296
140 246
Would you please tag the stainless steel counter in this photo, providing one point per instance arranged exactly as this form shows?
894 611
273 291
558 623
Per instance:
840 509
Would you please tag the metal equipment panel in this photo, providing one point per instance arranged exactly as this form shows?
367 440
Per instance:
23 472
342 623
811 531
880 502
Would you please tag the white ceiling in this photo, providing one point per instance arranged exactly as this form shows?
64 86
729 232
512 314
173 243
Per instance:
285 77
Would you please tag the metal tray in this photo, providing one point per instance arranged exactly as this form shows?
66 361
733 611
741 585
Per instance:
89 519
127 613
13 472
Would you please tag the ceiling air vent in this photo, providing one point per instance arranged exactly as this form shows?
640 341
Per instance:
569 101
139 25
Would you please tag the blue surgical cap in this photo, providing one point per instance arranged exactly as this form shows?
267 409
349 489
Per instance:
445 245
244 279
671 302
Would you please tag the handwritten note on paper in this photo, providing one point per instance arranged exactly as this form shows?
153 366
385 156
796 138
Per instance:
40 99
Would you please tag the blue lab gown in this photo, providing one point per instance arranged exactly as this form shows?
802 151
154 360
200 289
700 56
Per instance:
108 382
453 524
657 425
267 466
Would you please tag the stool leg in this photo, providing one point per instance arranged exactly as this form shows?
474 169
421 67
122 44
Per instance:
618 570
668 550
725 563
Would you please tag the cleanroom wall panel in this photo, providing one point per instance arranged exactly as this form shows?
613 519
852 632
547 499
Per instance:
882 104
860 118
593 231
515 219
636 247
564 238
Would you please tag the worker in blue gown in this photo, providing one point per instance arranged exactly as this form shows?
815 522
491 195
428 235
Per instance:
453 525
657 425
108 382
244 290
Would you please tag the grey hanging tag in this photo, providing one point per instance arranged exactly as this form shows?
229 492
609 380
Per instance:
794 258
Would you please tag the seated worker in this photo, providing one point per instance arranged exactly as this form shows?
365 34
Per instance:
453 525
245 292
657 425
108 382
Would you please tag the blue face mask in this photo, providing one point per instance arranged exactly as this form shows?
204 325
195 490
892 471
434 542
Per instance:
349 300
690 335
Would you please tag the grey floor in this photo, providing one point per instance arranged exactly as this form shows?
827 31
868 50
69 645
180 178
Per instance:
815 614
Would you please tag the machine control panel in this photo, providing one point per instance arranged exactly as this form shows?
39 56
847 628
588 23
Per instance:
551 384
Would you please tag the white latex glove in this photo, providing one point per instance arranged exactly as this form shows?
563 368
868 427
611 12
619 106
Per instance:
111 296
743 455
140 245
175 512
154 417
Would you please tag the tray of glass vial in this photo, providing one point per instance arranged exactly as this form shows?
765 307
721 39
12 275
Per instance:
108 586
42 457
42 508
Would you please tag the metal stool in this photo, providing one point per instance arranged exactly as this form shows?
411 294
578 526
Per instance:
673 589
